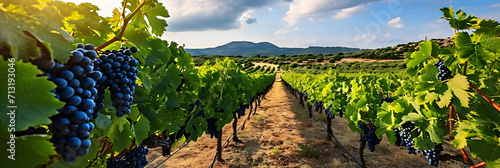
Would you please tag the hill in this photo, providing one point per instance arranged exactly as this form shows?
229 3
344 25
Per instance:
246 48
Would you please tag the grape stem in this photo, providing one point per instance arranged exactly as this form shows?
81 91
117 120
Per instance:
482 164
467 160
122 30
484 96
452 113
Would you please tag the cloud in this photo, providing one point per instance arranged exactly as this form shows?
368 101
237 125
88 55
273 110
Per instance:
364 40
286 30
396 23
247 17
269 9
348 12
300 9
198 15
495 5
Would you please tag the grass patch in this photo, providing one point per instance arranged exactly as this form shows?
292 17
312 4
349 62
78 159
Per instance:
259 118
308 151
242 135
276 151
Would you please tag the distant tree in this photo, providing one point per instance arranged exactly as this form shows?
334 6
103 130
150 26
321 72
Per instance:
294 65
320 58
256 56
282 55
299 61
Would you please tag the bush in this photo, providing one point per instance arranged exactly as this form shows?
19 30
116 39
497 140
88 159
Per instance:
299 61
294 65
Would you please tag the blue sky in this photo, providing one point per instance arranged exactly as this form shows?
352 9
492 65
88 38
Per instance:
303 23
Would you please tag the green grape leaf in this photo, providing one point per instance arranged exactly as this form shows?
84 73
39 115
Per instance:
34 104
428 78
459 86
81 161
487 149
119 134
445 99
158 26
461 22
103 121
21 46
436 132
470 49
134 114
30 151
140 129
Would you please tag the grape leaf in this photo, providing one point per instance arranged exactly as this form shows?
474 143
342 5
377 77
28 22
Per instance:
158 26
445 99
470 49
34 104
21 46
119 134
488 150
140 129
82 161
31 151
459 85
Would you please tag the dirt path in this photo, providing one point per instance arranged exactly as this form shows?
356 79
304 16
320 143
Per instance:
272 136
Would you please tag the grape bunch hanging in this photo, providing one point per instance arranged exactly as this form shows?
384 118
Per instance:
135 158
444 73
120 75
75 85
369 135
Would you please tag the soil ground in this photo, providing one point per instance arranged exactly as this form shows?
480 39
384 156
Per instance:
271 138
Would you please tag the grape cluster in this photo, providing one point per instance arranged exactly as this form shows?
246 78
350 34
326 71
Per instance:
404 137
444 73
241 111
201 113
120 75
369 135
135 158
212 127
31 131
328 113
433 155
317 105
75 83
387 99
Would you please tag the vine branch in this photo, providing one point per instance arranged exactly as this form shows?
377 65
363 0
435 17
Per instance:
484 96
122 30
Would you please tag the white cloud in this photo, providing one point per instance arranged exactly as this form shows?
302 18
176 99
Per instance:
495 5
388 35
197 15
301 9
269 8
286 30
396 23
348 12
247 17
365 38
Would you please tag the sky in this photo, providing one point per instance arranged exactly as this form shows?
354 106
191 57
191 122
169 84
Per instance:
303 23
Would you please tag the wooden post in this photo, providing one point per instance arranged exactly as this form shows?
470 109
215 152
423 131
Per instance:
219 147
362 145
329 128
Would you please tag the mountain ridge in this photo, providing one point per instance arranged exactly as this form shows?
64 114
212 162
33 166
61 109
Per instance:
247 48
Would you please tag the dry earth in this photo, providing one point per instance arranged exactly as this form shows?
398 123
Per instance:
272 136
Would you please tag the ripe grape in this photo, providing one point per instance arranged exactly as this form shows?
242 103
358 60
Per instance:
119 74
404 137
212 127
444 73
328 113
433 155
75 84
135 158
369 135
